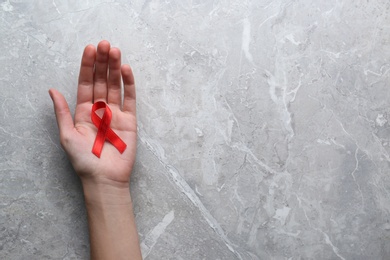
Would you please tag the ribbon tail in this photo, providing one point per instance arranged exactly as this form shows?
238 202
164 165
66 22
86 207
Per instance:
97 148
116 141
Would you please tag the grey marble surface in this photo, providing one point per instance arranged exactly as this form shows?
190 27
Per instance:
263 126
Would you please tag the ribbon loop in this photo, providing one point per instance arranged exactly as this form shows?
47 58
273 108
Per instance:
104 131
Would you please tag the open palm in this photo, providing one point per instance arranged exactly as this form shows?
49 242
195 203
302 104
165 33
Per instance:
101 75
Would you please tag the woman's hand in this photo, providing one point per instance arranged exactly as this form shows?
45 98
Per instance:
101 74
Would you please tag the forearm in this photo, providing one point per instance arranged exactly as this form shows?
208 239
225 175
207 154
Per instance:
113 233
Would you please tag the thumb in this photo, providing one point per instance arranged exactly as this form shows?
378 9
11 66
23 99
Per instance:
61 108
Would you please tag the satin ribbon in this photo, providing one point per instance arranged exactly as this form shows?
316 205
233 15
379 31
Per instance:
104 131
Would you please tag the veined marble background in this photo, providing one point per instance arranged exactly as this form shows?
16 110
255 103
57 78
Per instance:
263 126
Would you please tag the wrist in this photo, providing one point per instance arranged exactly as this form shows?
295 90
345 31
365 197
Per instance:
106 193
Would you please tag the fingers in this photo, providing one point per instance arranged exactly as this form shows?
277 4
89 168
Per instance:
85 88
114 78
97 84
61 108
101 66
129 99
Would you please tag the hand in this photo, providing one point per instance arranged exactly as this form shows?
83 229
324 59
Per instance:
100 79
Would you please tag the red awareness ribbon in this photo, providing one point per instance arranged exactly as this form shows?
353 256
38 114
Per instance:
104 131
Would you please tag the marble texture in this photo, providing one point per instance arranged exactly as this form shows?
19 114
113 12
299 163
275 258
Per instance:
263 126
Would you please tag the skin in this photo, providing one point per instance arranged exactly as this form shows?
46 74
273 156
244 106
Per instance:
105 180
